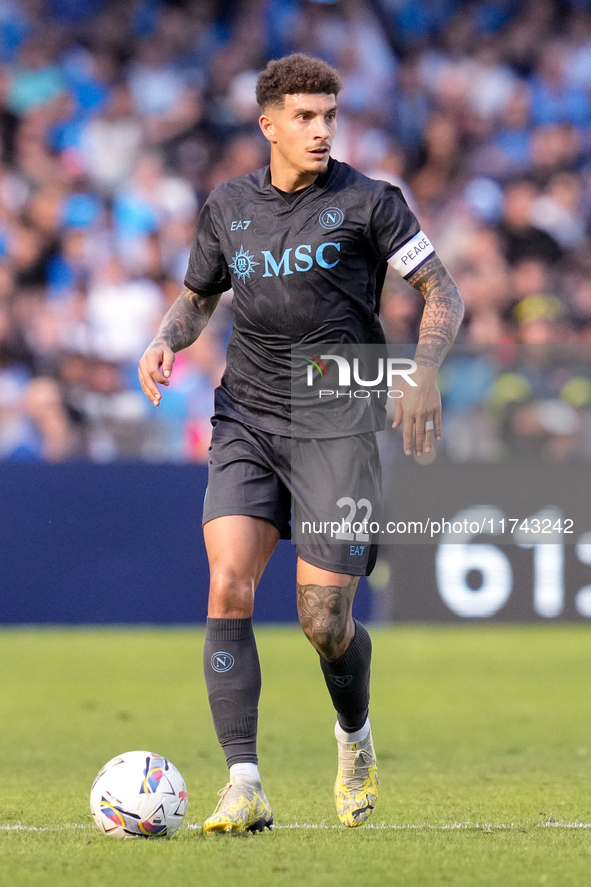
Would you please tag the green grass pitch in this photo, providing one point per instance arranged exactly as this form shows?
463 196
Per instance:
483 736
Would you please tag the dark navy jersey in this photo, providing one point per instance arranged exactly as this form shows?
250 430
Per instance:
304 271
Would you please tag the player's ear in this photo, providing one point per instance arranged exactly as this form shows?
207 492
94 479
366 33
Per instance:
266 125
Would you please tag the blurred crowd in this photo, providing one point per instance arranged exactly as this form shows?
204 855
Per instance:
117 118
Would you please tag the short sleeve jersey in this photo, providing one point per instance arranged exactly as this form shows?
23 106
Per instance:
304 271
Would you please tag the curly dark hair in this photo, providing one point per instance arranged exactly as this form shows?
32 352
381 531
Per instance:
294 74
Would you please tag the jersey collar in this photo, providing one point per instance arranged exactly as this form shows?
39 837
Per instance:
320 182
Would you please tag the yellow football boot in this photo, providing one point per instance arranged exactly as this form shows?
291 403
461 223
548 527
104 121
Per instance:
356 786
243 807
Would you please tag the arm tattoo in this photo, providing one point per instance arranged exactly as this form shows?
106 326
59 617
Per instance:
324 612
442 315
186 319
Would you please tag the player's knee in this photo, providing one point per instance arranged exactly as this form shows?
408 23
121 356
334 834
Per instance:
231 595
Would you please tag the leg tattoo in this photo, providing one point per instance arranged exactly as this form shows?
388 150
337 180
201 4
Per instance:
325 616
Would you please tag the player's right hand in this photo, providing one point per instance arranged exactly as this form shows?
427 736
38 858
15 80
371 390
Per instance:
155 366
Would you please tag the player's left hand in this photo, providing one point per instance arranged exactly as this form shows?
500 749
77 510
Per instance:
155 366
419 411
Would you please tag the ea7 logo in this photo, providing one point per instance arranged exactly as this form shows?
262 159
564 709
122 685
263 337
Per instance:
222 661
240 225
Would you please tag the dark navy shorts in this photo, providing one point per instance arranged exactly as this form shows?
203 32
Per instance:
334 484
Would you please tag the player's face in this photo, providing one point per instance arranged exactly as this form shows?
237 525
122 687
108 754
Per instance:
301 134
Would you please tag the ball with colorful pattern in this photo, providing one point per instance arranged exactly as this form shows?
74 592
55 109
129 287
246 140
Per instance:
138 794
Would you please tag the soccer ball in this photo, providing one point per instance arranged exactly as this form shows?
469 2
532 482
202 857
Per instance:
138 795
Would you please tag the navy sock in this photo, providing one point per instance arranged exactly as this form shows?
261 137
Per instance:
233 678
347 679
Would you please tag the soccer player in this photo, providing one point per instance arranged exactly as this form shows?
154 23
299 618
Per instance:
304 243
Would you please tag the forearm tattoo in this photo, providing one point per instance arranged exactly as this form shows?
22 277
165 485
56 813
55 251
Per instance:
325 613
186 319
442 315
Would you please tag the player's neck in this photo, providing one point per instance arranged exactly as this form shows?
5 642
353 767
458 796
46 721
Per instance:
288 179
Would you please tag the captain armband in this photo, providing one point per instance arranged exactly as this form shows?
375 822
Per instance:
415 252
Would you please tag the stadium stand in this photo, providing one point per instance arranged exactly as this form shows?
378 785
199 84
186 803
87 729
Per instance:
117 118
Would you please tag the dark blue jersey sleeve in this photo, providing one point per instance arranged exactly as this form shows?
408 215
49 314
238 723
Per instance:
391 223
207 271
